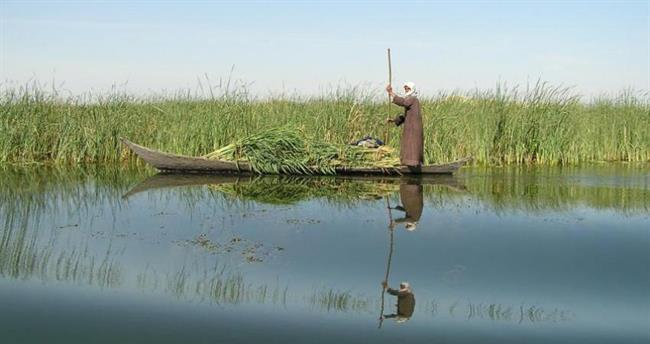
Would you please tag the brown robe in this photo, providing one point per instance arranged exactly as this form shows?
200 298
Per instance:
412 143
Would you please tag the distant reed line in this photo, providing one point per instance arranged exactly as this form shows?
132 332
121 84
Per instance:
543 124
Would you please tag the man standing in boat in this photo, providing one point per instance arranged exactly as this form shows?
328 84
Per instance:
412 142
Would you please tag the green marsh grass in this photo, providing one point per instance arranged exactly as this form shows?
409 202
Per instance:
543 124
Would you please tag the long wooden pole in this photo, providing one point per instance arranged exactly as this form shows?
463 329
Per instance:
390 82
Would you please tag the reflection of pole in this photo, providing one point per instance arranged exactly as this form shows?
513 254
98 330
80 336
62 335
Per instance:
390 257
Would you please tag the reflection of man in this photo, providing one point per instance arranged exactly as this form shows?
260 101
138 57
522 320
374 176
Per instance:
405 301
410 194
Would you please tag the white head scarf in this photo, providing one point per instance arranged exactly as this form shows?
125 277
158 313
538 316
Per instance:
405 286
410 85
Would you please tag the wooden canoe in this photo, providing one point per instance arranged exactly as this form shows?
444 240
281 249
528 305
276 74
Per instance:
173 163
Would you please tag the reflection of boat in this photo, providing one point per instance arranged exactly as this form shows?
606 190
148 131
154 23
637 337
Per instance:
167 180
163 181
185 164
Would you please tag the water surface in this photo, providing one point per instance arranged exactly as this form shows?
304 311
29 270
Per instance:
493 255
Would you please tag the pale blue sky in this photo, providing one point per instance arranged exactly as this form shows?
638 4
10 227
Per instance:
594 46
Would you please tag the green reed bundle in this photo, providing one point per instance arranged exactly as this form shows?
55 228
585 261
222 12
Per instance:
289 150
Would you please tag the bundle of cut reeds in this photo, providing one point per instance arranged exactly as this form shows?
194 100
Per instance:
289 149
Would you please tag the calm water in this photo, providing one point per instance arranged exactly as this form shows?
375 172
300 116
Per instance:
502 255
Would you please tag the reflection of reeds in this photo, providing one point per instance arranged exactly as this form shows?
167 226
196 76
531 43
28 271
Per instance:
558 189
504 189
22 258
492 311
340 301
503 312
288 190
214 285
26 196
25 256
40 190
535 314
83 269
614 187
27 253
30 194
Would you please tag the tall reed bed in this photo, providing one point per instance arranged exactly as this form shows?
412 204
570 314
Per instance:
541 124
